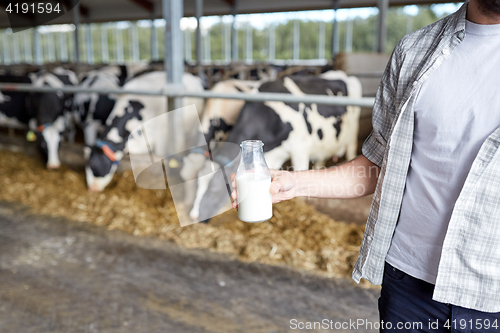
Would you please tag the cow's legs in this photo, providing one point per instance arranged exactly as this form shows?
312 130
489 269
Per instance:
300 161
70 126
276 157
192 164
205 176
319 164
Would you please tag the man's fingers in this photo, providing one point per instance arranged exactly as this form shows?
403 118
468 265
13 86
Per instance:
274 173
275 187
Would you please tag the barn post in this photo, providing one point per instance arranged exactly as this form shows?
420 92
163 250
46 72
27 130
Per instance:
27 47
199 14
154 39
335 30
174 66
104 43
234 32
296 40
321 40
272 43
76 22
36 46
383 7
63 49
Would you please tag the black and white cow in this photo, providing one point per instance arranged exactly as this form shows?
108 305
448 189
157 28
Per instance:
298 132
220 115
92 109
129 112
50 112
218 119
44 113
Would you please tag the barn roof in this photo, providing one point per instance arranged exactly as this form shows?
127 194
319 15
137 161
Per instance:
125 10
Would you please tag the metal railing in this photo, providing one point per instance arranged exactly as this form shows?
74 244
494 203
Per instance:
174 91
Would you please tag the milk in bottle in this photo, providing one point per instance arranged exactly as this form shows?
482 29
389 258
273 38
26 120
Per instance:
253 182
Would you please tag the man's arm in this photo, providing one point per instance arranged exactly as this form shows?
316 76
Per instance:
358 177
352 179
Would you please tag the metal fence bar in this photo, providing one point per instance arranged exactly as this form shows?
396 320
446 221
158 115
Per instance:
6 49
104 44
63 49
321 40
169 92
16 49
296 40
272 43
28 57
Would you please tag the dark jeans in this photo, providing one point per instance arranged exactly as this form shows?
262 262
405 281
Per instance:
406 305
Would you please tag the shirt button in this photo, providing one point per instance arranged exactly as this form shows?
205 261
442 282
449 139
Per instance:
446 51
461 35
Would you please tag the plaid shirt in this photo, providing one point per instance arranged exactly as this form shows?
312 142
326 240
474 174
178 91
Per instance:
469 269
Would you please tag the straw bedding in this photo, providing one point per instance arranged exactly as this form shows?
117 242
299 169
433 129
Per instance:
297 235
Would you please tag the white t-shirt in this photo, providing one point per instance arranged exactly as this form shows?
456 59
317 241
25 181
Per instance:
457 108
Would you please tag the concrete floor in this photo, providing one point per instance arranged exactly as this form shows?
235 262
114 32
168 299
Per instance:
58 275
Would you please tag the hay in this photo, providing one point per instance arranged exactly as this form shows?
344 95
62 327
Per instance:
297 235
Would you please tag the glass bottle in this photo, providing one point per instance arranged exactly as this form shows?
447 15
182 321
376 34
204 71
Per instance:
253 183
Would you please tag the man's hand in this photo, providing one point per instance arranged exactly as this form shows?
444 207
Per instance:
282 186
352 179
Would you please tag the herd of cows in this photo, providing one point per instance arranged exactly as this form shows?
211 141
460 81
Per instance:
298 132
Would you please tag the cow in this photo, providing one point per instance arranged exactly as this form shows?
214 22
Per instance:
220 114
218 119
90 110
44 113
129 112
294 131
49 112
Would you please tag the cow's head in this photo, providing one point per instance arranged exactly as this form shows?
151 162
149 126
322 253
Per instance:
48 121
48 138
102 159
101 164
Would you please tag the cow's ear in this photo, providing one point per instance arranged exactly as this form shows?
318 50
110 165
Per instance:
86 152
33 124
59 124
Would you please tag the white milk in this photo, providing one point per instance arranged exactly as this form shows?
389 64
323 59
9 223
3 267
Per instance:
254 197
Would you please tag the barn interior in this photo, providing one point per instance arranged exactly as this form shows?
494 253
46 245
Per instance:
119 260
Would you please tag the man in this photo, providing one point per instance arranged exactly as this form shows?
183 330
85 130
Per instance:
432 238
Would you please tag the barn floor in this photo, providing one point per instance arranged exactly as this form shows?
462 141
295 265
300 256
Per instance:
58 275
